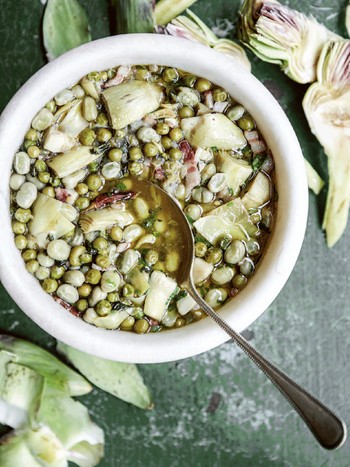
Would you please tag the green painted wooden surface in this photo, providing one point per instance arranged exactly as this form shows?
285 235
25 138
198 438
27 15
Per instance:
216 409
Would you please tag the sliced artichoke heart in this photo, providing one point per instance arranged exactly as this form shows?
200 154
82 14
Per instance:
231 218
75 159
213 130
131 101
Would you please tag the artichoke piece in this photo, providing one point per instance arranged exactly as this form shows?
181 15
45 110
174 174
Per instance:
259 192
49 218
166 10
191 27
231 218
73 160
103 218
213 130
237 170
159 295
131 101
280 35
326 105
73 122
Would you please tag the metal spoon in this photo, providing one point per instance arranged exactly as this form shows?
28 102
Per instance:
328 429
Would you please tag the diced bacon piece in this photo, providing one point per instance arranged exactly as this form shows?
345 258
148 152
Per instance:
122 73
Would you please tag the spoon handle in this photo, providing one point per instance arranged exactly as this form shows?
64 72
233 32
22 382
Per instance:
327 428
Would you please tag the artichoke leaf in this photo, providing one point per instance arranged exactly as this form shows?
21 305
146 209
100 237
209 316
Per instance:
277 34
122 380
326 105
65 26
191 27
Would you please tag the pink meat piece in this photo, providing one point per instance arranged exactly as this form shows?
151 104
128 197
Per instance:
159 174
62 194
193 177
122 73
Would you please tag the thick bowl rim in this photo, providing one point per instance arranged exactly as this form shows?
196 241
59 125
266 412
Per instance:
289 232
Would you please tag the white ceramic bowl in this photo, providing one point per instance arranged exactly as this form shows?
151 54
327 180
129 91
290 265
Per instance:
288 234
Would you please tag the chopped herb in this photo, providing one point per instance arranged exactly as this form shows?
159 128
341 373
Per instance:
155 328
149 222
214 148
190 220
230 191
180 295
199 238
120 186
258 161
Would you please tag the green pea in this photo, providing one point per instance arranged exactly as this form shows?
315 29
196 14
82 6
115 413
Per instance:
94 182
40 165
224 241
104 135
86 258
150 150
102 119
239 281
119 134
135 153
128 323
87 137
137 313
23 215
135 168
175 154
219 95
197 315
33 152
48 191
93 276
103 308
18 227
31 135
116 233
28 143
94 76
186 112
113 297
111 73
44 177
151 257
170 75
176 134
115 155
246 267
102 261
82 305
189 80
213 255
246 123
142 74
20 242
57 272
55 181
82 203
100 243
29 254
93 167
128 291
82 188
84 290
49 285
179 323
32 266
166 142
162 128
141 326
203 85
200 249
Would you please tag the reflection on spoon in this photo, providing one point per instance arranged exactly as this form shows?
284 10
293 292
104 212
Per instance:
328 429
